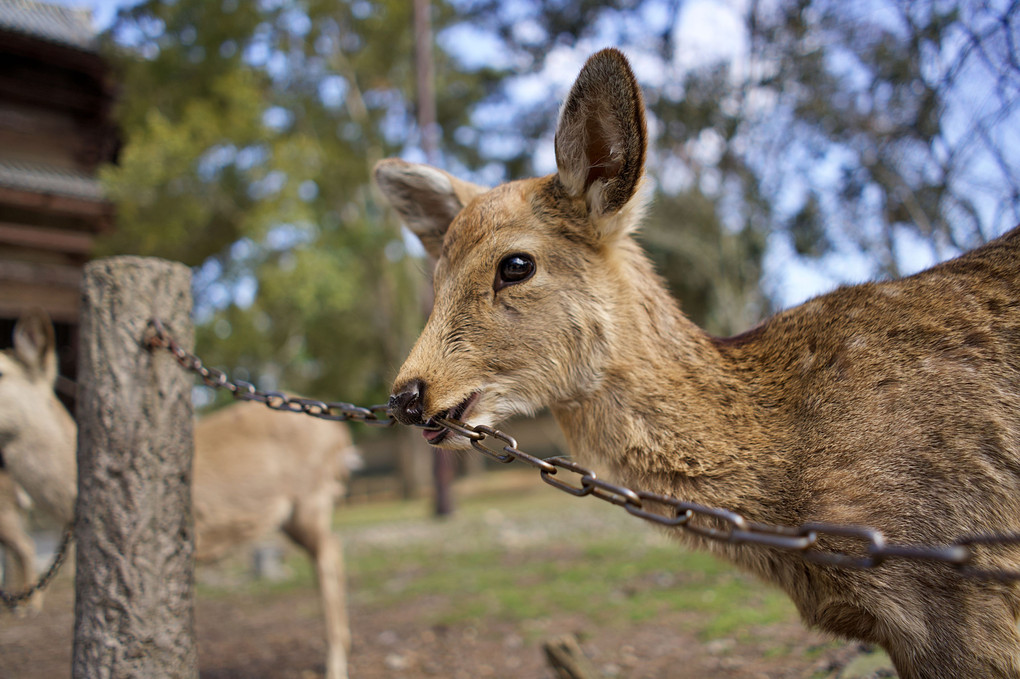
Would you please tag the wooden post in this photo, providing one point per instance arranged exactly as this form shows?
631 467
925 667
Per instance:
567 659
134 588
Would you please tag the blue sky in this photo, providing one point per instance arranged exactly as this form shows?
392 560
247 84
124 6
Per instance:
789 279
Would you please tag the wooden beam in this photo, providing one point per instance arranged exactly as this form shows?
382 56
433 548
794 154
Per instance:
100 211
62 304
46 238
40 273
57 56
45 92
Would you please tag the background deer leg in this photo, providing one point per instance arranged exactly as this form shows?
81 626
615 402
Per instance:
310 527
19 556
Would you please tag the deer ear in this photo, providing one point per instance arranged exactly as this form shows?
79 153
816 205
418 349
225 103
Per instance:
426 198
600 143
35 344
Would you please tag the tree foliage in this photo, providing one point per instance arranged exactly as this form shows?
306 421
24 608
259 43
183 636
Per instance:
787 129
251 132
883 131
910 106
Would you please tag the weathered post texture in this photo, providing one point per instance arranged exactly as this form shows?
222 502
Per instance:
135 572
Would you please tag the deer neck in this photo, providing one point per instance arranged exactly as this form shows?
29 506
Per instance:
669 413
42 458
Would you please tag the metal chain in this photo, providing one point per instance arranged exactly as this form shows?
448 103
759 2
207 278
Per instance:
378 415
14 600
720 525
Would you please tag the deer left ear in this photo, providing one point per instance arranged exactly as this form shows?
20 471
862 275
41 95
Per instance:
426 198
600 143
35 344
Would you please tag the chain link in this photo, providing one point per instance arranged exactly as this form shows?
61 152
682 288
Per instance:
14 600
156 336
720 525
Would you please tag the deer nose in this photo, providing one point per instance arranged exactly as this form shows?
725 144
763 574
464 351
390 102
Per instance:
406 404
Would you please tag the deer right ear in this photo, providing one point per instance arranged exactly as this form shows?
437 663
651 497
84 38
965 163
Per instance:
426 198
600 143
35 344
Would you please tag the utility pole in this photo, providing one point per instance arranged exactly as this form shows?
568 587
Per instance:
425 81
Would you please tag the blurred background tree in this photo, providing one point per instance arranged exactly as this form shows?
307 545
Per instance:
896 123
251 130
821 141
795 144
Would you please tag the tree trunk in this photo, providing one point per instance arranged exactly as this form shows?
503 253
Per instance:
442 463
413 462
134 582
443 471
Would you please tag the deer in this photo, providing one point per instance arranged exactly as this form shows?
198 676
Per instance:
893 405
255 471
19 561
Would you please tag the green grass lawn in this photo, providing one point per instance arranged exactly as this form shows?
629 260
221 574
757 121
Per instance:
519 550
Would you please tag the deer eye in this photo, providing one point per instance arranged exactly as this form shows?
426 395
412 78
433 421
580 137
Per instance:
514 269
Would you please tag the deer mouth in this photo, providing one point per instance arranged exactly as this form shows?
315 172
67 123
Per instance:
436 433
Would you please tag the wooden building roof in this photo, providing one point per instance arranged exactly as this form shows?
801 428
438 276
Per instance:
56 129
55 23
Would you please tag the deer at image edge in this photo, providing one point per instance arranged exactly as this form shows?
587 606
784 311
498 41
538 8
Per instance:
255 471
893 405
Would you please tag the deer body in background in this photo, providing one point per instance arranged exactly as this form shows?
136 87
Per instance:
255 471
19 555
893 405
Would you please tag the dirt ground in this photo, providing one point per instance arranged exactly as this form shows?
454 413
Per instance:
279 636
249 630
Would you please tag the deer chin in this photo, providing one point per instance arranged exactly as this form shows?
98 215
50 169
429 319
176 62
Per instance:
437 435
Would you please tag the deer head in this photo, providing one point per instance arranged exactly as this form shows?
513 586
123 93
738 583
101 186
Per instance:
527 273
27 374
37 435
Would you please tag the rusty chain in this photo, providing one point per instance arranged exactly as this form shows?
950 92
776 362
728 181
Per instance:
720 525
14 600
377 415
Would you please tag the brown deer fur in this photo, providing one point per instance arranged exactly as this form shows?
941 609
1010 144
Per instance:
893 405
255 471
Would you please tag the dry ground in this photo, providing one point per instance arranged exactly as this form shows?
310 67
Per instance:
476 595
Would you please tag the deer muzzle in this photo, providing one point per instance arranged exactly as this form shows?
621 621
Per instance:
407 403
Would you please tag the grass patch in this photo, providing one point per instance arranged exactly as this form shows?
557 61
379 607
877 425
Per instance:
517 556
518 551
369 514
